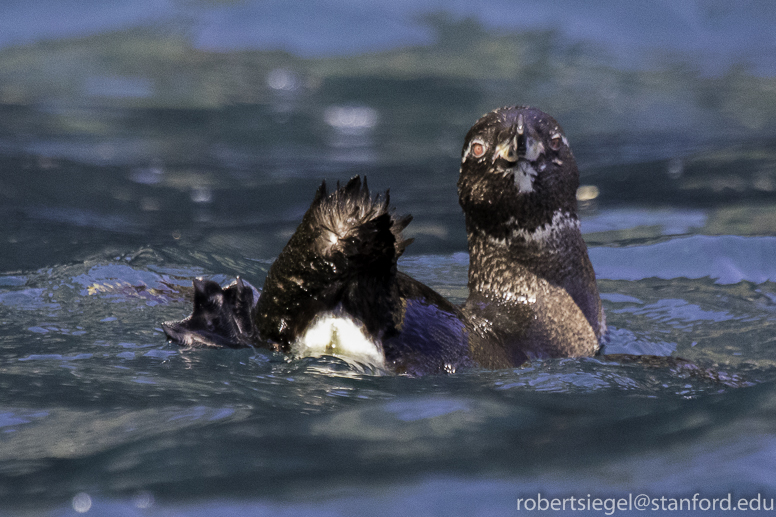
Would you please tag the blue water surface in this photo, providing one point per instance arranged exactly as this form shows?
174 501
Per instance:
146 143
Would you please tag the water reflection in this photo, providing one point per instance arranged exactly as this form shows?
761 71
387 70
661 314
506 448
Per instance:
670 221
286 87
351 120
118 86
352 137
82 502
284 80
726 259
151 175
201 195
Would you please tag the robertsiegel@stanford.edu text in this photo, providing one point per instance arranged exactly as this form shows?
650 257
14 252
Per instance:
610 505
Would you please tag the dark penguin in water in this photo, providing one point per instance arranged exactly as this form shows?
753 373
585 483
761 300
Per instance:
335 288
531 282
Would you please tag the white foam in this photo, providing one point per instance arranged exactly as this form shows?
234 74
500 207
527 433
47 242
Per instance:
337 334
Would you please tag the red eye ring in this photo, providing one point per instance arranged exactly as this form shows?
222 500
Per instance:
478 149
555 142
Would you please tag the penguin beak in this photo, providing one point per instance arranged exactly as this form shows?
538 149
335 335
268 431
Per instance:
521 147
519 140
514 149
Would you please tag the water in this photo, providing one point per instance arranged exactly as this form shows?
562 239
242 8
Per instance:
152 142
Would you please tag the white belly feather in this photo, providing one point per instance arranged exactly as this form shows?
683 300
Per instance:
339 335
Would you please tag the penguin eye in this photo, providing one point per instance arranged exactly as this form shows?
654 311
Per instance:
478 149
555 142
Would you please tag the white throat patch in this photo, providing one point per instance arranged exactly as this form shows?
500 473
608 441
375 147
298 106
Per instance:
524 176
337 334
525 173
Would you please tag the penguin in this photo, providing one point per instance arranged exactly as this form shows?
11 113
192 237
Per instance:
335 289
531 282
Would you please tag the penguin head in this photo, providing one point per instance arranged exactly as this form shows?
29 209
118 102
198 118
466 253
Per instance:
516 169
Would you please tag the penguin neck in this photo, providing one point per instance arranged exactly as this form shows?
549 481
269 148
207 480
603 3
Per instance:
500 257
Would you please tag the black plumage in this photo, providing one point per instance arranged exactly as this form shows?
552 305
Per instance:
342 256
530 278
221 316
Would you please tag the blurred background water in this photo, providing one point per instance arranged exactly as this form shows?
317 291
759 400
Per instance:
146 142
